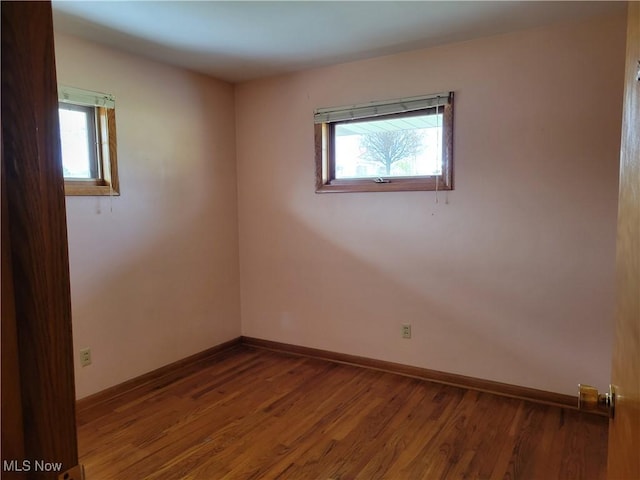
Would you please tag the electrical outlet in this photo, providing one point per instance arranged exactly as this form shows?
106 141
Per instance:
85 357
406 330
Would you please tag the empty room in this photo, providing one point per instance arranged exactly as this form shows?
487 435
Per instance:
320 240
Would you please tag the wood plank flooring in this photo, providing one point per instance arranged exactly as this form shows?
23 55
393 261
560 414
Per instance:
257 414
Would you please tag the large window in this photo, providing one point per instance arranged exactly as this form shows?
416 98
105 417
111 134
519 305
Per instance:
396 145
88 142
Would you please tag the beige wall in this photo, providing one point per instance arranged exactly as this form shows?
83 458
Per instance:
154 272
510 276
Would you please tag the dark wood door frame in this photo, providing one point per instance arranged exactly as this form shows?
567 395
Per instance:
38 392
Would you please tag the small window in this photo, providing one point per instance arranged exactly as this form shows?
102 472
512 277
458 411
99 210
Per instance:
398 145
88 142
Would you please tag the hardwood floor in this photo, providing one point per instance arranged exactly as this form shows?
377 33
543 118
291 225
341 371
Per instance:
256 414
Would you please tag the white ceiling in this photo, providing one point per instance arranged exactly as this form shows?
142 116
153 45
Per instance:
243 40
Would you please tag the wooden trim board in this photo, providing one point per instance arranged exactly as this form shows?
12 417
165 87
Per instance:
169 373
156 378
489 386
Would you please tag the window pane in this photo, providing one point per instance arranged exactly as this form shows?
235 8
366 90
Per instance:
76 137
395 147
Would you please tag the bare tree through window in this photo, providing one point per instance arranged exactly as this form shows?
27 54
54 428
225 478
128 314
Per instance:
390 147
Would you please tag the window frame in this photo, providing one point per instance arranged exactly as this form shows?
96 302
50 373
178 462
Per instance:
106 182
324 139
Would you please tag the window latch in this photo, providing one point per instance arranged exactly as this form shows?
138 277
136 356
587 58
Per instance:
381 180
